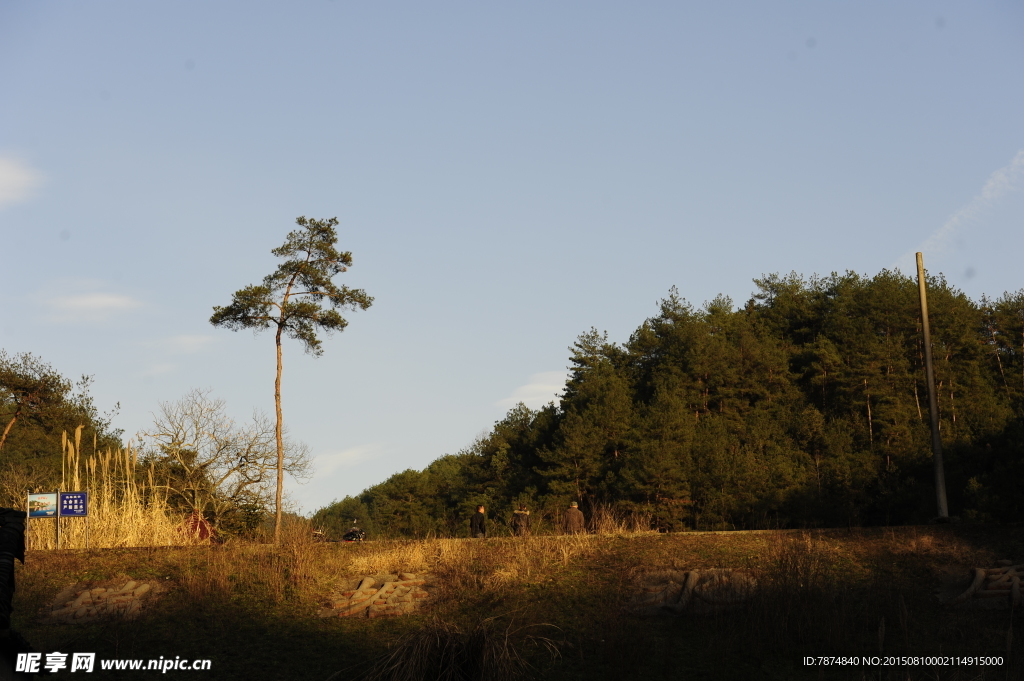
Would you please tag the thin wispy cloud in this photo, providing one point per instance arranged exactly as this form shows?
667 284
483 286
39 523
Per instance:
185 344
542 388
1000 183
83 302
330 462
18 182
158 370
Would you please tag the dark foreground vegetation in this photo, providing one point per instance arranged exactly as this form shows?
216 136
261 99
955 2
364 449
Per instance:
805 407
548 607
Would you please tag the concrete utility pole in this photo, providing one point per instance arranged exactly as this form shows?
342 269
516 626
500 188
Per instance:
933 403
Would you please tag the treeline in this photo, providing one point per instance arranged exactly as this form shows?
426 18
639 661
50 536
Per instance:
805 407
38 406
193 460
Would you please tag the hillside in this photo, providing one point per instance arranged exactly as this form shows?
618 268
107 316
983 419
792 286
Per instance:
805 407
253 611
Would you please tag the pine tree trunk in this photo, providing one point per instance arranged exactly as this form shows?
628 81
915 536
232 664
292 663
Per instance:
280 443
7 430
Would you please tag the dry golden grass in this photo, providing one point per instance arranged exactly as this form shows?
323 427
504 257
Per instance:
821 593
495 650
390 557
123 511
605 519
490 563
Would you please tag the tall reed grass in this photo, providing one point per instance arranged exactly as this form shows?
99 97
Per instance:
607 519
126 505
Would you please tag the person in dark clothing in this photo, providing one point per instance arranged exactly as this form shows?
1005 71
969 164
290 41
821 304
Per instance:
478 524
572 521
521 522
12 547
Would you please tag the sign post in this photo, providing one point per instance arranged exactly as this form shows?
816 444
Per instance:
59 505
44 506
76 505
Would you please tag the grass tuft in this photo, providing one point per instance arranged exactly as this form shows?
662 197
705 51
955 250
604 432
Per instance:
441 651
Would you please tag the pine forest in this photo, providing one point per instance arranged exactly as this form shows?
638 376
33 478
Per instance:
805 407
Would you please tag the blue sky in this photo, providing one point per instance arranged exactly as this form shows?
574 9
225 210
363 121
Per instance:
507 175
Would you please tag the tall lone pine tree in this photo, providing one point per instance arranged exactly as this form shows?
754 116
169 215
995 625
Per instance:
298 299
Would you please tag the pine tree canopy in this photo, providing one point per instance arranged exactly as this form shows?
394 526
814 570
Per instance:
805 407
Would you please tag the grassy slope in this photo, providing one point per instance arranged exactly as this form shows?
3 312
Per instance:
251 609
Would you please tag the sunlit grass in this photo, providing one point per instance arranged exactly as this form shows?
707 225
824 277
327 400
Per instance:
127 506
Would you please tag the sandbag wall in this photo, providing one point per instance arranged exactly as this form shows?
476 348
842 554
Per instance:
81 604
379 596
678 591
1000 584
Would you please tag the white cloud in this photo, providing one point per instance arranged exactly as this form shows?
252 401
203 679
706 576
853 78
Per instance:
157 370
330 462
542 388
18 182
185 344
90 306
999 184
79 302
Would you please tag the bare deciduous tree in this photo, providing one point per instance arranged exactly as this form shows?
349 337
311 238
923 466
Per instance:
211 464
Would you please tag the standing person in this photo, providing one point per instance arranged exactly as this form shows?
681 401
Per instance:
12 546
478 524
573 522
521 521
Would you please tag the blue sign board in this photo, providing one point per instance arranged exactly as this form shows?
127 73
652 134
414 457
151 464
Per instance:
42 505
74 504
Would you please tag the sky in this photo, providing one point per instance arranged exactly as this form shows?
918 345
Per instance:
506 176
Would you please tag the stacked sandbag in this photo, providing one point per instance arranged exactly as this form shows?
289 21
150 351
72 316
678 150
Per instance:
121 599
678 591
379 596
998 587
